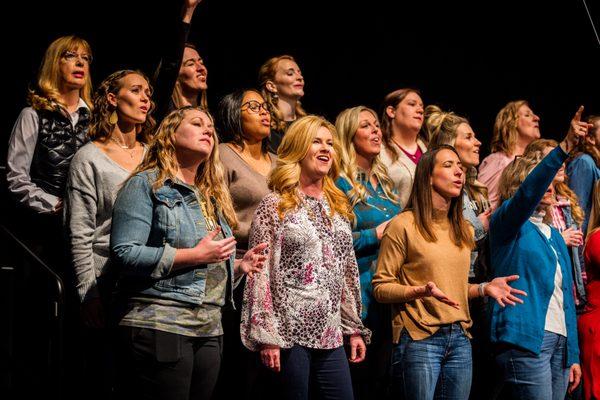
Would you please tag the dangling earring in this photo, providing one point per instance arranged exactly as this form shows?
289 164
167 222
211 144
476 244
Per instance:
113 118
274 96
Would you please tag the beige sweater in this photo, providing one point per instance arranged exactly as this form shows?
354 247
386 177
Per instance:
407 259
401 171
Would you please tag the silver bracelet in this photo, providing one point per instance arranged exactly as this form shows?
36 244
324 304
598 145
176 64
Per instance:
481 288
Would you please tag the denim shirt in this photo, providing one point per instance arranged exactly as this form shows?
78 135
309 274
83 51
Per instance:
148 226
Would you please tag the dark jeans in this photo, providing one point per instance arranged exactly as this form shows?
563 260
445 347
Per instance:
439 366
162 365
327 370
533 376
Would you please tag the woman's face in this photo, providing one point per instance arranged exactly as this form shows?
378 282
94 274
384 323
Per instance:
192 73
447 174
319 158
367 139
256 119
195 136
594 135
74 68
132 101
408 114
288 80
467 145
528 124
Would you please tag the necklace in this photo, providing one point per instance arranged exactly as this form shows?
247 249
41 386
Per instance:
209 218
128 150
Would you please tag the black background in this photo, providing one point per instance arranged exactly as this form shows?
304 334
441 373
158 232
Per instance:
470 57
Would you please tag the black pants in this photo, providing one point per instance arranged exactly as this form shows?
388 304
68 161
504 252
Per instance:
161 365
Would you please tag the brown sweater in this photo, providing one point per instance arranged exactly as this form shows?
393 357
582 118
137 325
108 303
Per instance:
407 259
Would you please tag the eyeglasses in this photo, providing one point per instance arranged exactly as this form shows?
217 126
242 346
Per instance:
72 57
254 106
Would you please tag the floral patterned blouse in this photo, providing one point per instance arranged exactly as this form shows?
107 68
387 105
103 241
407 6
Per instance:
308 293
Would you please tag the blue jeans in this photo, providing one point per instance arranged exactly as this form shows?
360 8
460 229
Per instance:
326 369
439 366
533 376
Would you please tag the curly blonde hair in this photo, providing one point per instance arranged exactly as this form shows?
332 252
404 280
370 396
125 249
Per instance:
346 125
47 96
100 126
267 73
285 177
504 138
441 127
210 177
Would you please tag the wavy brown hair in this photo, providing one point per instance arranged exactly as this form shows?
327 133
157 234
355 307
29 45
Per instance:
100 126
392 100
420 203
504 138
441 127
46 96
285 177
587 147
210 176
267 73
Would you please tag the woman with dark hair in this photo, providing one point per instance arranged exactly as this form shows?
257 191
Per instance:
403 140
171 236
583 169
422 270
536 345
245 127
282 86
120 127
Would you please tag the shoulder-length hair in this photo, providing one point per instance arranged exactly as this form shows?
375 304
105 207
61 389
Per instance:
210 177
347 124
267 73
230 118
504 138
285 177
177 95
392 100
420 203
47 96
441 127
100 125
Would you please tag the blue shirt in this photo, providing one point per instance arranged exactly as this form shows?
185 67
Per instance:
583 173
376 210
517 246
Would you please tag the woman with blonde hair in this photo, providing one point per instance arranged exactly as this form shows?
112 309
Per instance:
120 125
404 142
583 169
374 203
282 86
422 270
589 322
305 304
171 237
536 345
516 126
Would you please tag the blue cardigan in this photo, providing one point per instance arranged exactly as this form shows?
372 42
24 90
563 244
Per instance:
518 247
369 215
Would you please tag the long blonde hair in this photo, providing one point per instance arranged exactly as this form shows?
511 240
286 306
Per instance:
100 125
420 203
535 152
347 124
267 73
441 127
285 177
47 95
504 138
210 177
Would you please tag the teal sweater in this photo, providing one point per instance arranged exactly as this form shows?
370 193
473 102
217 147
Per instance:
518 247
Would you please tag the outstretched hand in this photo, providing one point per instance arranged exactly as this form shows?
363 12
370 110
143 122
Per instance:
502 292
577 131
253 260
431 290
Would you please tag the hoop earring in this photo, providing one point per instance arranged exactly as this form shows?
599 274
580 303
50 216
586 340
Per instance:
113 118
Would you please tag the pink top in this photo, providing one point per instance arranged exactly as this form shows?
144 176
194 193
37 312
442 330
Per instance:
413 157
490 171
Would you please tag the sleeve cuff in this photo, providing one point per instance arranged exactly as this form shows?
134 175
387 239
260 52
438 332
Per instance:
165 263
87 291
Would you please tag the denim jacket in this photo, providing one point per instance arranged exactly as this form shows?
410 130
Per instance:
148 226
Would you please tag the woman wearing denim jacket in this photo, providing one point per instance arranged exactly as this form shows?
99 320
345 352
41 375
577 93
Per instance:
536 345
365 181
171 236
